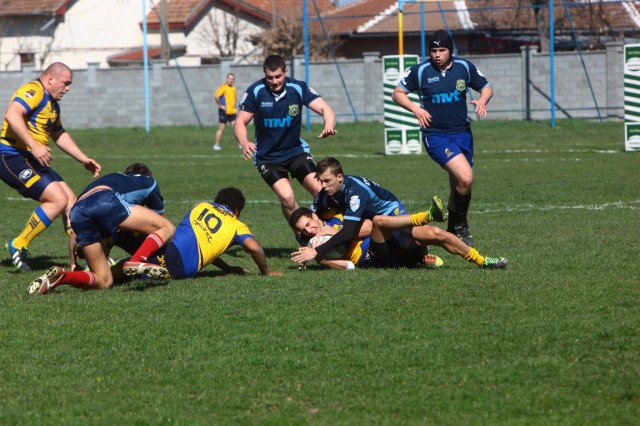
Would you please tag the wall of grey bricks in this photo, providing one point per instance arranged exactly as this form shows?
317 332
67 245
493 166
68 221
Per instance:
115 97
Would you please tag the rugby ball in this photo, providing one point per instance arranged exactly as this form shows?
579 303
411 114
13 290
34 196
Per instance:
321 239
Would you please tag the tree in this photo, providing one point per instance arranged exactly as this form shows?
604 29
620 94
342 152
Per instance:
286 38
223 30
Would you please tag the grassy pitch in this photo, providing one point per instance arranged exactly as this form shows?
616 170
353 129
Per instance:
554 339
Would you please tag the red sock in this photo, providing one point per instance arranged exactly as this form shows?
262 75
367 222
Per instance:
149 246
79 279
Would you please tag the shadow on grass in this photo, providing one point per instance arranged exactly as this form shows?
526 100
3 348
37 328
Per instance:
37 263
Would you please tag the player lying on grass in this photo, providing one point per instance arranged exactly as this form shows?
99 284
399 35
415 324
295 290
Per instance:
113 202
206 231
358 198
355 254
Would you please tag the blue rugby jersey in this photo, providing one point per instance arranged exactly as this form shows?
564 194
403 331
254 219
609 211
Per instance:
444 93
359 198
277 119
140 190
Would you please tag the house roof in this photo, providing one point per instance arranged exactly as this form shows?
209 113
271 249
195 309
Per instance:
381 16
185 13
136 55
34 7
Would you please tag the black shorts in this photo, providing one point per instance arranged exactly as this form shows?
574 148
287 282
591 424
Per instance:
223 117
402 252
299 167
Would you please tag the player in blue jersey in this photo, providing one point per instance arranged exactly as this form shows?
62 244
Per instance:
442 84
113 202
31 119
275 104
398 238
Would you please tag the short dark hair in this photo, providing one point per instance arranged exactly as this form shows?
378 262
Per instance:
232 198
274 62
138 169
329 163
297 214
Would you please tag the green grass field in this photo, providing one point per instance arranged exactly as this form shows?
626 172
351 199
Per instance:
554 339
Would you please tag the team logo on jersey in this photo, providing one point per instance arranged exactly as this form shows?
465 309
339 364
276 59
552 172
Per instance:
265 104
26 174
354 203
433 79
30 94
461 86
294 110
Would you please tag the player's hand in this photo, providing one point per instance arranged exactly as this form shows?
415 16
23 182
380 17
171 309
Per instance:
480 107
424 118
326 132
93 167
238 270
42 154
304 254
248 150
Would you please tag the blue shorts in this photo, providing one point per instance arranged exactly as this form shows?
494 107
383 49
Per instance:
442 147
26 175
98 215
223 117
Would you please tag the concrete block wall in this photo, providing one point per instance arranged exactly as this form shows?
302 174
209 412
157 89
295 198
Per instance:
115 97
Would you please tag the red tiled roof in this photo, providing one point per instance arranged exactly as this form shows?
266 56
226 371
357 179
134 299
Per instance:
486 15
33 7
184 13
137 54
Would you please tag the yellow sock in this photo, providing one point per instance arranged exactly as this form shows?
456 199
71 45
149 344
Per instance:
475 257
422 218
37 223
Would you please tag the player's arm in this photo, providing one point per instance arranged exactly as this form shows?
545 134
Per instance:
16 116
481 103
242 134
346 234
401 97
217 97
69 146
321 107
257 253
337 264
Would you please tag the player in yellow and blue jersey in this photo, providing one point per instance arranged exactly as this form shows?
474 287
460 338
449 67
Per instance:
225 97
442 83
32 118
352 254
206 231
275 104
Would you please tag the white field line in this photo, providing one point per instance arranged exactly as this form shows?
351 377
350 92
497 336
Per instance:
372 155
479 209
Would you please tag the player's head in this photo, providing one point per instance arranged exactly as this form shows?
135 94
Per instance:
441 48
57 79
329 171
232 198
230 79
138 169
305 221
275 72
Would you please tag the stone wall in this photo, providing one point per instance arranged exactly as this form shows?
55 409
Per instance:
115 97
